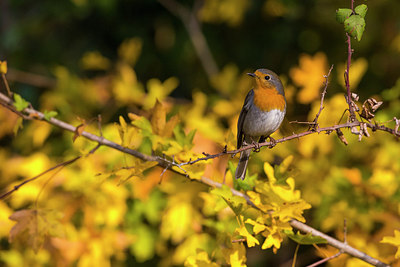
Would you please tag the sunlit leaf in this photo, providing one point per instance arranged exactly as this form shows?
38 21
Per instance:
393 240
3 67
236 255
310 76
158 118
250 239
95 61
19 103
361 10
355 26
130 50
342 14
201 259
49 114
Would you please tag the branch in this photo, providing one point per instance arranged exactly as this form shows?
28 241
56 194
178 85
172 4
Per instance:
37 115
323 96
192 26
347 72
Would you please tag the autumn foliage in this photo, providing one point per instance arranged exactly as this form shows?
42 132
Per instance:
106 208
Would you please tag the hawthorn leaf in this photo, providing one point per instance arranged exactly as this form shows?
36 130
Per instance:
49 114
355 26
361 10
19 103
342 14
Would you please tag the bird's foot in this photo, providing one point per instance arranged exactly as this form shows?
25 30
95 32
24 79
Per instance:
272 142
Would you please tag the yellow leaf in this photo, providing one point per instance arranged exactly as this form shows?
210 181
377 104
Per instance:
40 134
251 240
3 67
5 223
95 61
170 125
310 76
158 90
226 80
395 241
272 240
181 213
126 87
158 118
130 50
236 255
384 181
257 227
201 259
283 167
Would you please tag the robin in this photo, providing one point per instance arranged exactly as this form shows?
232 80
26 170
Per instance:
263 111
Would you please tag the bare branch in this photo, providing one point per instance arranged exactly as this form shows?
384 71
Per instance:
323 95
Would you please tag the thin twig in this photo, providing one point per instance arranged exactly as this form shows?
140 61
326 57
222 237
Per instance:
347 78
337 254
323 96
5 82
325 259
62 164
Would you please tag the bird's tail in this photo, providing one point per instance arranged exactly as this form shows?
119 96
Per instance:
242 166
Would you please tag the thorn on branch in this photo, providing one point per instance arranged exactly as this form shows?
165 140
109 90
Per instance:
315 121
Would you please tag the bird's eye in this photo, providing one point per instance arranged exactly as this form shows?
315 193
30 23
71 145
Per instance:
267 77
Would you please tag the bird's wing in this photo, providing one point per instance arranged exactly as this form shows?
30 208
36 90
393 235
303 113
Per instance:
246 106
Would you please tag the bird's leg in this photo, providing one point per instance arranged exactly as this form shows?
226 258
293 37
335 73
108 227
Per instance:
273 142
256 145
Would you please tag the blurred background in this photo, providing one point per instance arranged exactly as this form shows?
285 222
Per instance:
37 37
110 57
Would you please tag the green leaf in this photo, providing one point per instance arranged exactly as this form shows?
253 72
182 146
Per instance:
182 138
49 114
361 10
355 26
19 103
236 203
307 239
342 14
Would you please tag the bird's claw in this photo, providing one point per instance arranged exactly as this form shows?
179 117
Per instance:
272 142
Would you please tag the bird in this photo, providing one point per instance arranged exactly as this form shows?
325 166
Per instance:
262 113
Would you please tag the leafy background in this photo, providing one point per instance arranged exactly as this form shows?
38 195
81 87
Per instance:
116 58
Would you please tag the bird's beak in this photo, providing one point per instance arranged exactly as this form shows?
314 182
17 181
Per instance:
251 74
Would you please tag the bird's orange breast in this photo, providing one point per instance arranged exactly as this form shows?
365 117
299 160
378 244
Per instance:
267 99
